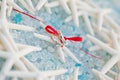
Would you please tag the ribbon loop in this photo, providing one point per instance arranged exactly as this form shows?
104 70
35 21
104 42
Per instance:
76 38
51 30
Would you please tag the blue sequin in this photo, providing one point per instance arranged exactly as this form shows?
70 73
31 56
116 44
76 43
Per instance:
17 18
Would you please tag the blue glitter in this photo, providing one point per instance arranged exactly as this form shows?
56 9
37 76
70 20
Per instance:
17 18
77 65
82 77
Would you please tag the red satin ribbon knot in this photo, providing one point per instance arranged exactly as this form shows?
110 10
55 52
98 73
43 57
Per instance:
52 31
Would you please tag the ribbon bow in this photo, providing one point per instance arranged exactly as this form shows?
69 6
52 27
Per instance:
54 32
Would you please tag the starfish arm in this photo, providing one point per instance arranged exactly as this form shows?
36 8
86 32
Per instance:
88 9
74 12
94 48
22 45
53 72
19 65
10 39
46 38
26 6
102 33
101 76
40 78
115 40
83 3
8 65
110 64
112 72
69 53
22 74
4 54
14 78
2 77
40 4
101 17
118 64
65 6
29 65
20 27
52 4
91 4
102 45
88 24
3 9
6 33
27 50
100 20
48 8
112 23
61 54
51 78
29 2
1 47
75 77
10 8
105 30
14 5
68 19
6 43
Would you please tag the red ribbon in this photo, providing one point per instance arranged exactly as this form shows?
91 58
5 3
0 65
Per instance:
79 39
27 14
52 31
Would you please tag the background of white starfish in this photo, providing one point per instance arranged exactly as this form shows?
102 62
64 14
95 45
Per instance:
108 34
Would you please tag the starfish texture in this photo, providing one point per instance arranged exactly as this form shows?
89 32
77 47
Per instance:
14 54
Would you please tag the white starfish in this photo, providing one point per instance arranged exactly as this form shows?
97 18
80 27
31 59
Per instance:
108 18
12 59
16 58
81 8
106 77
12 25
12 5
8 42
27 4
41 75
113 51
49 5
60 50
76 13
4 25
76 72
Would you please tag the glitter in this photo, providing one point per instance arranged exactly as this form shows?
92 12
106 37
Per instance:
17 18
77 65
